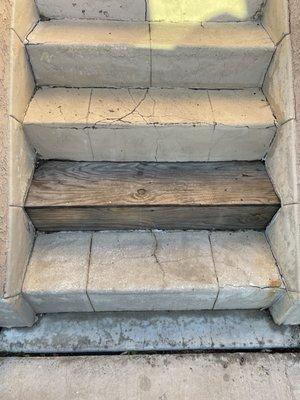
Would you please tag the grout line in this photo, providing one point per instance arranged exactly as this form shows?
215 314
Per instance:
86 122
266 73
32 29
13 30
146 11
88 271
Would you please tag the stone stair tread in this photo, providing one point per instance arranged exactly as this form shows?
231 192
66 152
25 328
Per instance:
93 195
151 270
149 124
152 10
141 54
66 107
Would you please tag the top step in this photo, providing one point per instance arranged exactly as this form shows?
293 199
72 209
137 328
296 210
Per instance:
140 54
152 10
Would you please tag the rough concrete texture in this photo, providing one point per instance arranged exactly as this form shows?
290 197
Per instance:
176 377
22 83
149 125
282 163
14 228
21 164
226 52
25 16
57 273
20 241
251 262
16 312
150 270
119 54
278 84
151 331
138 10
284 238
295 40
286 309
128 10
276 19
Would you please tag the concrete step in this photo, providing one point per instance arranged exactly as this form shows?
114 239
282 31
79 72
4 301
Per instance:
151 270
69 195
149 124
129 54
151 10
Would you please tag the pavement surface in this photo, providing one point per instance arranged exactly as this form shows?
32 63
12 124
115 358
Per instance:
236 376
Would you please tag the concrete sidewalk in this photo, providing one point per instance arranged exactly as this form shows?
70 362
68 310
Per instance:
237 376
150 332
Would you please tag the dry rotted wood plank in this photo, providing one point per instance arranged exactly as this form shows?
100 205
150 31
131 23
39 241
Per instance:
86 195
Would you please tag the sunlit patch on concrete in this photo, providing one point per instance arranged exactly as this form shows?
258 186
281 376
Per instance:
196 10
193 11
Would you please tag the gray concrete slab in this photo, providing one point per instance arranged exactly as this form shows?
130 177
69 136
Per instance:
175 377
150 331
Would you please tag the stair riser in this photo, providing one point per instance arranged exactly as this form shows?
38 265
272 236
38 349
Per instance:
126 66
102 218
151 143
204 300
137 10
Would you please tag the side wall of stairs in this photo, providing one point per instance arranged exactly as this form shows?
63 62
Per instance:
282 161
251 138
17 19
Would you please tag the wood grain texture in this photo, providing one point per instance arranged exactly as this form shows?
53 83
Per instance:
102 218
81 195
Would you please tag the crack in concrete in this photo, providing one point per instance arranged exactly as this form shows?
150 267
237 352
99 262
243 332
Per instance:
120 119
154 254
216 273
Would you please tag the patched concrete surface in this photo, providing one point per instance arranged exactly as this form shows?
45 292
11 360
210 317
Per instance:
164 377
150 331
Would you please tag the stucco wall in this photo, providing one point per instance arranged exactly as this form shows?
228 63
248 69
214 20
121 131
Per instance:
5 21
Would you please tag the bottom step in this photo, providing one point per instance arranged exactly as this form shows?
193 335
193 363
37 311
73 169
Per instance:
151 270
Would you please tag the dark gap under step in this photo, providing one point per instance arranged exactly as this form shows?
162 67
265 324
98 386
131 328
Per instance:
68 195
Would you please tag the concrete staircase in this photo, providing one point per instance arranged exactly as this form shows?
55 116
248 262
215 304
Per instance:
151 137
